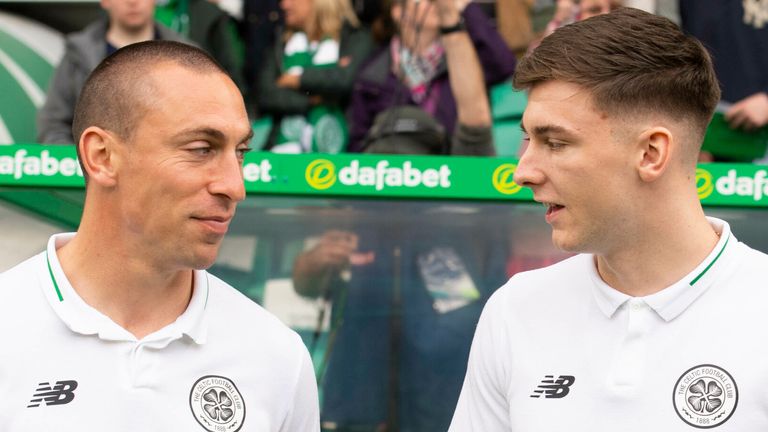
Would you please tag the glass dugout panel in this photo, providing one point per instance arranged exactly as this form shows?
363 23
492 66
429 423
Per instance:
389 330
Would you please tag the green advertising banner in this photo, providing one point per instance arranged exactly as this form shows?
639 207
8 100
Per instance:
423 177
389 176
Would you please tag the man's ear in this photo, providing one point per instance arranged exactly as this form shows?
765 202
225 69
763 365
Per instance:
655 148
97 148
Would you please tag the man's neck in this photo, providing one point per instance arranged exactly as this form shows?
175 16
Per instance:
119 36
123 286
662 255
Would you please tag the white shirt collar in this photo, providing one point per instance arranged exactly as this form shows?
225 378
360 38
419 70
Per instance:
673 300
82 318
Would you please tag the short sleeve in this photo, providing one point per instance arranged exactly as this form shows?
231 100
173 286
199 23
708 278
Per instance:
483 405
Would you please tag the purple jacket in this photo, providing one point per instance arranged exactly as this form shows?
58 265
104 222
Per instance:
376 87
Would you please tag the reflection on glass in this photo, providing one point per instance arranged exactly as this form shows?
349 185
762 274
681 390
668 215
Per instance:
386 295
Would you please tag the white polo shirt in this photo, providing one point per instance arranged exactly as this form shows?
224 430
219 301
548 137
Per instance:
557 349
224 365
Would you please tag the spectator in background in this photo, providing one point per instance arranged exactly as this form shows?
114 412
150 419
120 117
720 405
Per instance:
306 78
415 69
513 18
128 21
210 27
666 8
261 21
736 34
571 11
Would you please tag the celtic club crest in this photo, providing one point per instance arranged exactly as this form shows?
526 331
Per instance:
705 396
217 404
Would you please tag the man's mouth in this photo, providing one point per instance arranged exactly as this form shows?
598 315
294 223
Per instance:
552 207
217 224
552 210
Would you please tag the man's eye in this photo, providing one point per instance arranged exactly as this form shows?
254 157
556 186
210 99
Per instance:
200 151
555 145
242 151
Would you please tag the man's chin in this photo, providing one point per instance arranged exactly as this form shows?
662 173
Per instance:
203 263
136 26
567 244
204 258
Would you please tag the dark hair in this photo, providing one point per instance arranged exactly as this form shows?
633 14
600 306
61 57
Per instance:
632 62
383 26
116 94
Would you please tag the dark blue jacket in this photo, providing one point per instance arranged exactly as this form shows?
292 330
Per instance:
736 40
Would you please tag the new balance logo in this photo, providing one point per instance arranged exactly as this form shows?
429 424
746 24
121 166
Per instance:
63 392
554 388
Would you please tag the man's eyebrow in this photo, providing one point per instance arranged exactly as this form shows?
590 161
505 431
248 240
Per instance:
212 133
203 131
247 138
547 129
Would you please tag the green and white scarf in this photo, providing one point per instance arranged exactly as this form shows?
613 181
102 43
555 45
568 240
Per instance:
323 129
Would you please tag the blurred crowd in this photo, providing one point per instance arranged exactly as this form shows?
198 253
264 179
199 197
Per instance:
403 76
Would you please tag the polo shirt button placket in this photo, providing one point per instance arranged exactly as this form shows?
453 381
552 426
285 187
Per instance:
630 360
135 363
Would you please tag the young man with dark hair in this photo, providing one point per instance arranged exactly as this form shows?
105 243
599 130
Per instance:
118 326
657 325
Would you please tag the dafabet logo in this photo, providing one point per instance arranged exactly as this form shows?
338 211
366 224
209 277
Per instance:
503 179
321 174
732 184
755 187
704 185
23 164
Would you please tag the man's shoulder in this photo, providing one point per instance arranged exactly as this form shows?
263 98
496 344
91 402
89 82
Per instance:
90 34
167 34
19 285
751 266
754 257
567 278
228 307
88 47
22 273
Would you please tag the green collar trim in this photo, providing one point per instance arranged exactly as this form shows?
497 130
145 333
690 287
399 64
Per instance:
53 279
696 279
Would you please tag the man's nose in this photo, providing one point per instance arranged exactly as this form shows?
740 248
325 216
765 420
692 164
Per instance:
228 180
528 173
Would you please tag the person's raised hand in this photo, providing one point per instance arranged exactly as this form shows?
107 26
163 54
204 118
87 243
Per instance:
334 249
449 11
749 113
289 80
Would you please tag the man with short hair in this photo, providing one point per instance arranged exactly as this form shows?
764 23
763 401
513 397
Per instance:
127 22
658 324
118 327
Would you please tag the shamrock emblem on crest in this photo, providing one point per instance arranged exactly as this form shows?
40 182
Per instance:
218 408
705 398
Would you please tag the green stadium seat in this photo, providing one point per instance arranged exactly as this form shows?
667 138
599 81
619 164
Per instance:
507 102
507 106
734 145
261 128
